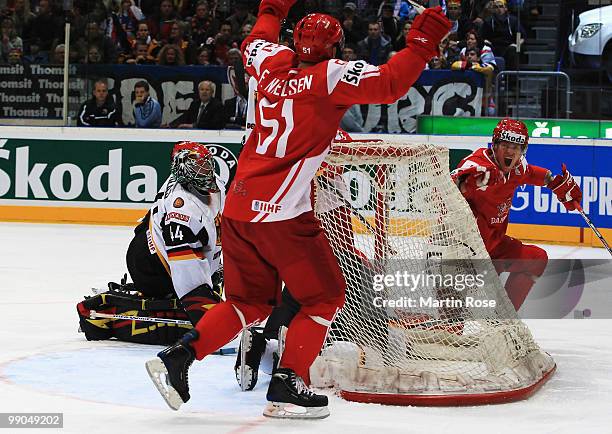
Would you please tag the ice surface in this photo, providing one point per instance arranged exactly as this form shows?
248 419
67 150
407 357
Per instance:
102 387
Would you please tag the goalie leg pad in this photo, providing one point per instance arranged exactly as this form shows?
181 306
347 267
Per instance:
198 301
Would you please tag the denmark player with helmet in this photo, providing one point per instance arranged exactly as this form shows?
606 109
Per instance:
270 234
175 247
487 179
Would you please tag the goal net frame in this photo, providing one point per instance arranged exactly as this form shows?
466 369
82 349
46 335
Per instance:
410 357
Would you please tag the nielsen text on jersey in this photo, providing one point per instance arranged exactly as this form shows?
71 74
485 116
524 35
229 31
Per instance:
290 87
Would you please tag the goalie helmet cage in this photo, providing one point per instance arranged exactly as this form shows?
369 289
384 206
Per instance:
391 208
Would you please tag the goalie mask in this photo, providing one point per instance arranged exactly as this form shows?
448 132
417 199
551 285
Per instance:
192 163
316 38
510 141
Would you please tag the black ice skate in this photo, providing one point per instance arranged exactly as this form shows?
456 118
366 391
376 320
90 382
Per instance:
290 398
252 346
173 363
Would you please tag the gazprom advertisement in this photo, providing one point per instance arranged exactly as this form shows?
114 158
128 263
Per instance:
590 167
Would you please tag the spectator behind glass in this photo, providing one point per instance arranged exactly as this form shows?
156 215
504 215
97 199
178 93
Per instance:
147 111
473 41
143 37
352 24
177 38
36 56
160 23
234 56
100 110
95 36
473 11
58 55
400 41
389 23
472 61
206 56
375 48
460 23
10 40
235 110
205 113
170 55
349 53
450 49
501 30
15 57
129 15
241 17
438 62
140 55
244 32
23 17
94 55
203 24
46 27
223 42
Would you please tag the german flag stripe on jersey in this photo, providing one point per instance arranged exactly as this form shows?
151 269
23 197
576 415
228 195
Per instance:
184 253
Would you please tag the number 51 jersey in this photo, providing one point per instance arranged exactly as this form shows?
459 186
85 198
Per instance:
296 115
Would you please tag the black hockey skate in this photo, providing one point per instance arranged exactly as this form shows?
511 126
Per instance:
173 363
290 398
252 347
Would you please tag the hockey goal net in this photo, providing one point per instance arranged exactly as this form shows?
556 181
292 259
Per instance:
426 319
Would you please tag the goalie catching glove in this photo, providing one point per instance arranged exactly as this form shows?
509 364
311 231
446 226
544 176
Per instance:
565 188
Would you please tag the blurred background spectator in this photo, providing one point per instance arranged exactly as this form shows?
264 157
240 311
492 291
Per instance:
10 39
205 112
147 111
99 110
352 24
171 55
473 41
375 48
501 30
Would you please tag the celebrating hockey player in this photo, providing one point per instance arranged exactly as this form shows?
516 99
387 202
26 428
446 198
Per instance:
269 231
333 209
175 247
487 179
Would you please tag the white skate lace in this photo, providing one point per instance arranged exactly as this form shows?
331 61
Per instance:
301 387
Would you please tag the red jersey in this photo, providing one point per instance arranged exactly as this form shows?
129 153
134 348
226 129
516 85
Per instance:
297 113
491 203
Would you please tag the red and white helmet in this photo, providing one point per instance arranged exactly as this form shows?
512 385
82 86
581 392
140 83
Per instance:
513 131
316 37
192 163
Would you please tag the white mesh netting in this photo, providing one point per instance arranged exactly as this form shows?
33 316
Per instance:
392 214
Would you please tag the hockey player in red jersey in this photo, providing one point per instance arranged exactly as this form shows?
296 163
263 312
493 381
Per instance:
269 231
487 179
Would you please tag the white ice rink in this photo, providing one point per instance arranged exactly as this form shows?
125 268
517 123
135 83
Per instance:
102 387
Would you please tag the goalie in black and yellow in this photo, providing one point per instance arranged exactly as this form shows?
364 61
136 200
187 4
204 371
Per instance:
175 253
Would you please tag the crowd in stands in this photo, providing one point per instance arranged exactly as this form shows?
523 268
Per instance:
203 32
210 32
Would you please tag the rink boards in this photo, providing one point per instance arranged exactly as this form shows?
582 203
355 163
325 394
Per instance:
110 176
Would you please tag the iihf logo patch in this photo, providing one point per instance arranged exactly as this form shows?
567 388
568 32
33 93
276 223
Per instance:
267 207
178 202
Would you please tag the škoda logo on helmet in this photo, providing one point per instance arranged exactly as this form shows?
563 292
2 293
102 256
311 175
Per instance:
509 136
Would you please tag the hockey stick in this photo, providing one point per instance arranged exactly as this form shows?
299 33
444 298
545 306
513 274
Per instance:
595 230
93 315
420 9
